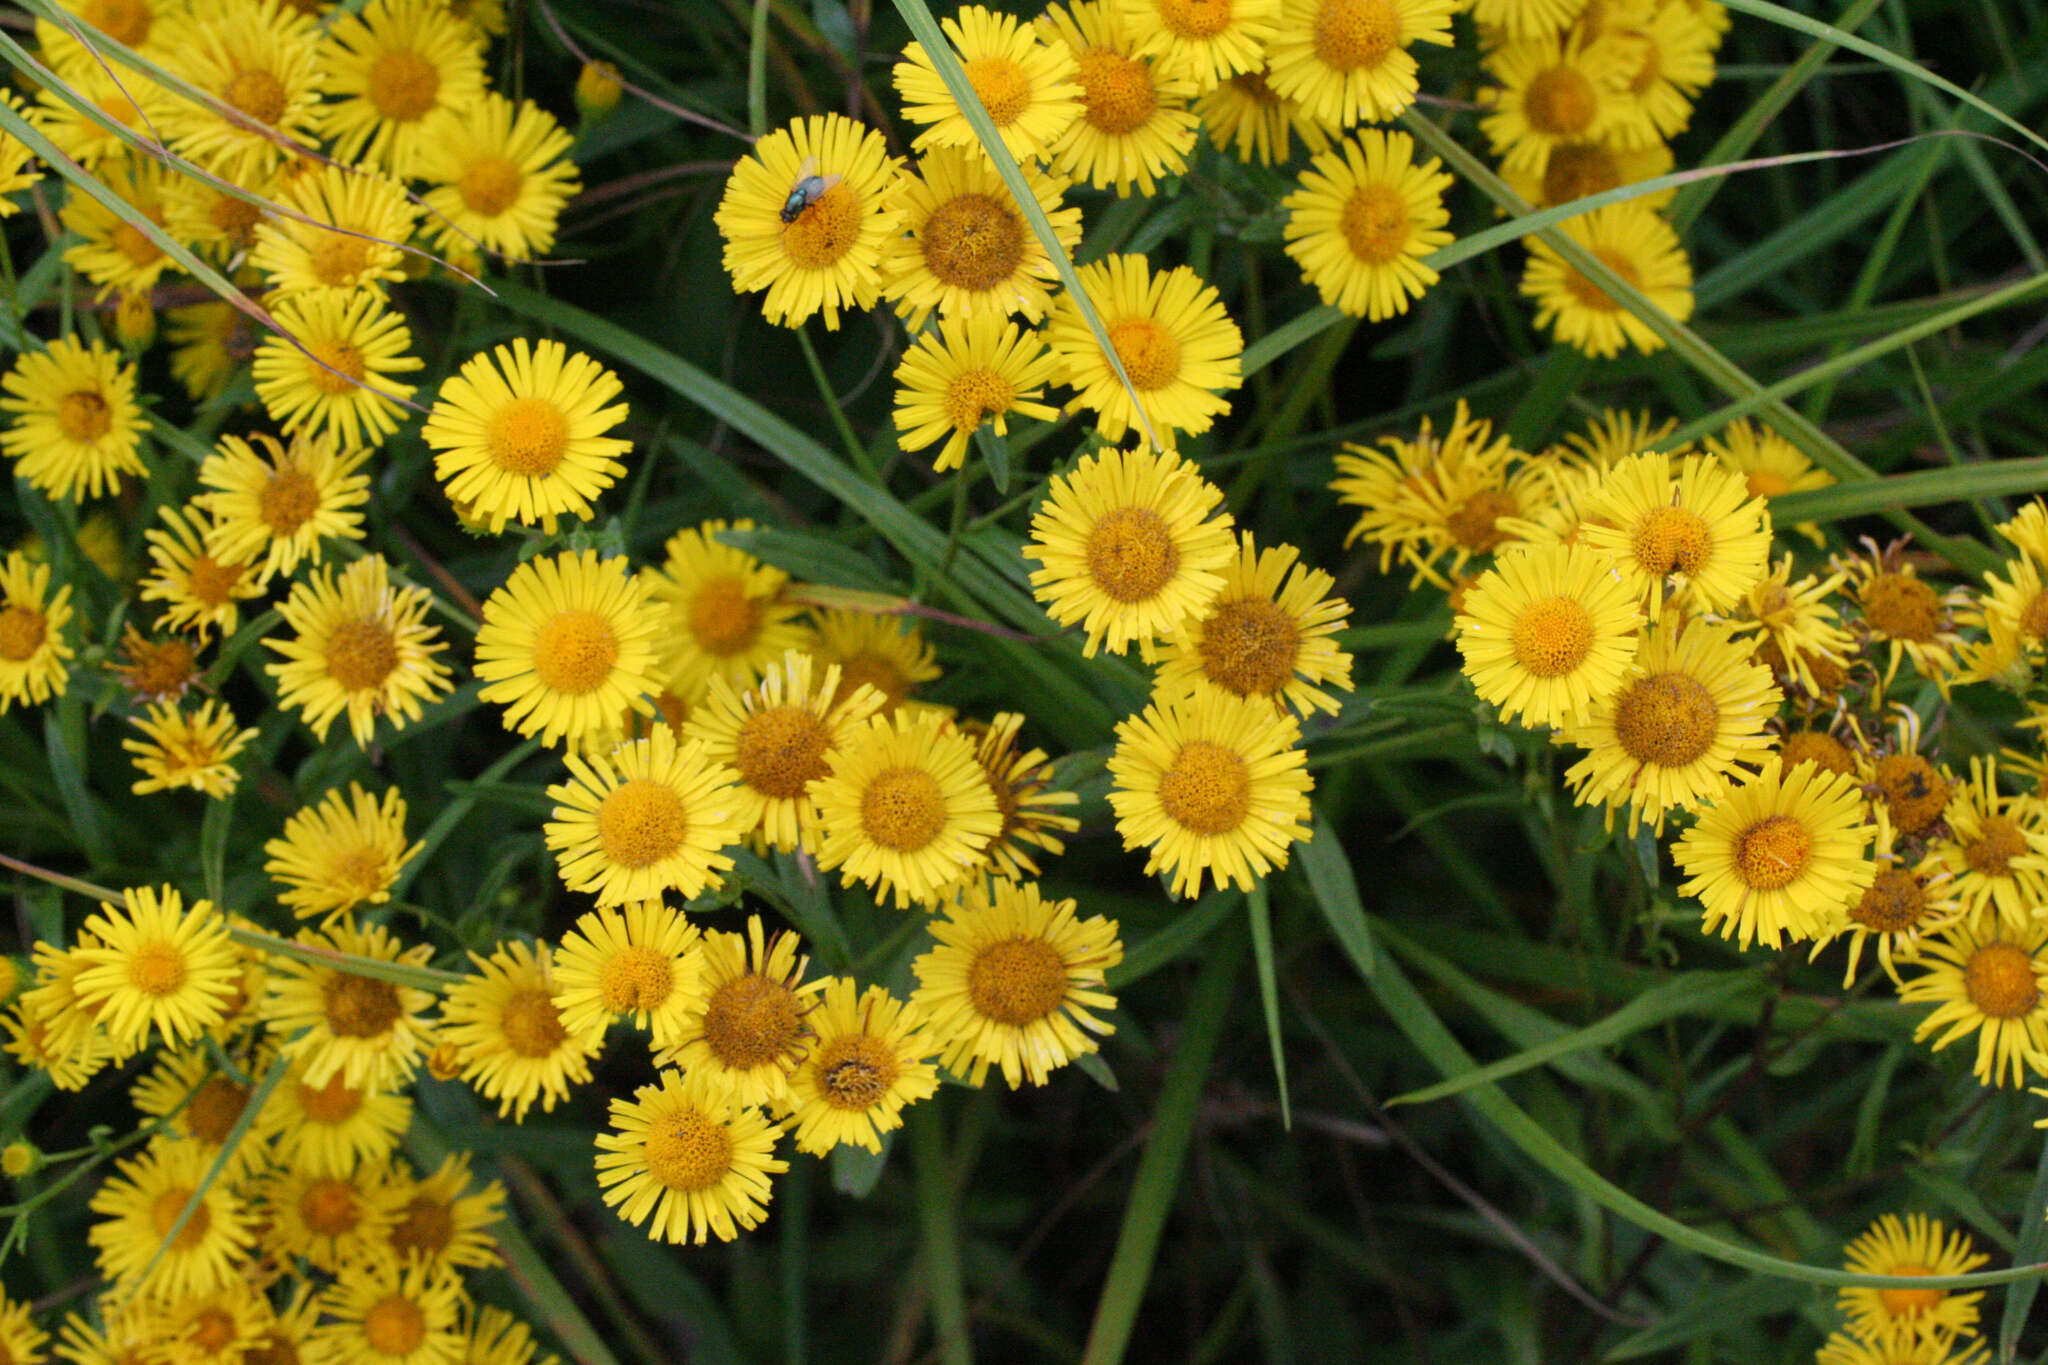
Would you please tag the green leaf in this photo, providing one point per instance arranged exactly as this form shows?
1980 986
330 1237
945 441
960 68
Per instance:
1269 990
2033 1246
811 557
1335 888
1180 936
1923 488
64 740
214 828
856 1171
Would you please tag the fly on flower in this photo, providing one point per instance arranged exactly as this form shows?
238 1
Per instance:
810 187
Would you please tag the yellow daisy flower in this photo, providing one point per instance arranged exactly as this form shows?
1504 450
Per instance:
878 651
1129 548
116 254
359 224
1204 40
777 739
1637 245
1527 18
1778 856
139 1205
258 60
1547 633
1902 612
359 343
1021 780
1211 783
1580 169
76 426
807 216
968 248
382 1311
870 1060
1672 61
344 852
905 808
360 646
1996 850
20 1339
1691 707
122 98
33 622
1015 984
508 1036
1458 492
521 434
747 1027
1135 127
18 168
1904 900
387 68
1556 89
1918 1245
440 1221
211 345
1178 347
156 966
1694 530
334 1127
641 963
1986 979
1347 61
1772 465
1268 633
966 372
1797 630
1846 1348
722 611
1028 86
500 176
36 1045
684 1152
188 749
200 1105
567 645
652 816
1362 220
214 223
369 1031
329 1221
199 588
52 1010
281 502
497 1338
1244 118
222 1324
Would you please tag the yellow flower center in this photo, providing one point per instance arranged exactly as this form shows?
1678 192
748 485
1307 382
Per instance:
334 1103
210 582
1252 85
724 620
403 85
211 1330
163 1214
780 751
689 1152
527 436
1350 34
1117 96
1375 223
856 1072
1561 102
1004 87
257 93
1592 295
22 631
531 1023
344 367
360 1006
83 416
1909 1303
338 260
1552 636
1914 792
491 185
360 871
574 651
635 978
329 1208
1998 842
824 231
1765 483
1207 788
1578 169
1999 979
361 654
1195 18
903 809
1131 554
157 968
125 21
974 396
1150 354
641 822
751 1021
1902 607
2034 618
288 501
1671 540
1822 750
1250 648
1892 903
234 219
876 670
137 245
427 1226
1474 525
1668 719
973 242
1017 981
395 1326
275 1348
1771 853
215 1106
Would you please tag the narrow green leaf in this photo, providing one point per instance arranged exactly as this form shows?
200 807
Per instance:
214 828
64 739
2019 1300
1261 919
454 813
1704 1315
938 1202
1922 488
1178 938
995 453
1335 888
809 556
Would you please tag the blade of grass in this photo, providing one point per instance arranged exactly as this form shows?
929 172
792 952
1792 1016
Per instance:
938 1199
1922 488
1335 888
2019 1300
1261 917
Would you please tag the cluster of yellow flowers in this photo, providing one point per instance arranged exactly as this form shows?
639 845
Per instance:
1908 1326
1631 608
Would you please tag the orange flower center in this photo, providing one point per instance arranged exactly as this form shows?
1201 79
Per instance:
339 261
1915 793
527 436
1004 88
531 1023
330 1208
360 1006
427 1225
1892 904
1117 96
22 631
1771 853
975 396
856 1072
157 968
1195 19
634 979
1668 719
215 1106
83 416
973 242
491 185
752 1021
780 751
1375 223
210 582
164 1214
1017 981
1998 842
125 21
1552 636
1671 540
1999 979
641 823
2034 618
1902 607
1350 34
344 367
689 1152
826 230
1131 554
361 654
334 1103
724 620
1207 788
1250 648
574 651
1561 102
1592 295
395 1326
903 809
1824 751
259 94
1475 523
1576 170
403 85
1909 1303
288 501
1150 354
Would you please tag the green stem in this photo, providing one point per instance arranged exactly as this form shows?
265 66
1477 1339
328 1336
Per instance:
757 70
847 438
937 1200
